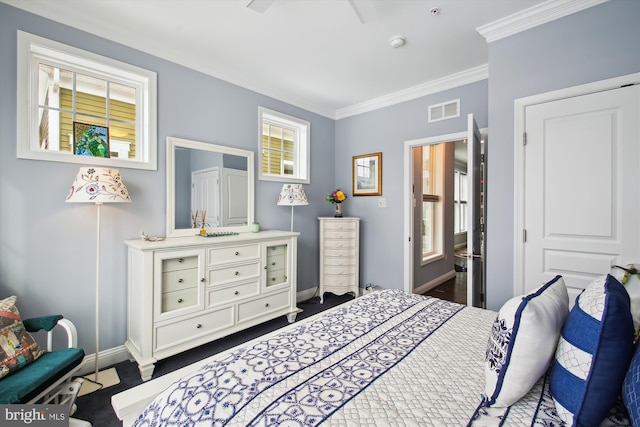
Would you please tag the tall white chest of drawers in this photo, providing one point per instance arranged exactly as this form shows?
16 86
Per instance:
184 292
339 256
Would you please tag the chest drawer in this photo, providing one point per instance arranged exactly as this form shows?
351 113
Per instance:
340 269
345 235
233 253
184 330
176 300
339 244
233 293
341 253
259 307
173 264
179 279
219 276
340 225
338 281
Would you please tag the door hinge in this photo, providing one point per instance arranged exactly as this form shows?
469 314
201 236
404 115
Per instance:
482 297
409 238
524 138
524 235
481 158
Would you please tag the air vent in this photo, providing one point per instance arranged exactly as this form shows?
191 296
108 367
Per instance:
446 110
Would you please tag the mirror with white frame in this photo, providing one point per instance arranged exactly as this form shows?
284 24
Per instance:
208 183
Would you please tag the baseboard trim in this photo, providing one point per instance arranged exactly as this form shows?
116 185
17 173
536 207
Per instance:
119 354
426 287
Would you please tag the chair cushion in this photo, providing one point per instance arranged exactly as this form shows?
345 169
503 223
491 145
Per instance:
593 353
522 342
28 382
17 346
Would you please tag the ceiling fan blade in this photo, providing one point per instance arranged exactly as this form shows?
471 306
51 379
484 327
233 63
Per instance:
364 9
260 5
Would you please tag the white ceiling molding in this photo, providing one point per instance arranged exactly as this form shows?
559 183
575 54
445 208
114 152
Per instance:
532 17
449 82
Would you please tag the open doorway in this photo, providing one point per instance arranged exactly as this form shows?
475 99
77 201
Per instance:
443 214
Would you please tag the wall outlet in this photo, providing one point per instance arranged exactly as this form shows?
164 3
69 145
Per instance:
382 202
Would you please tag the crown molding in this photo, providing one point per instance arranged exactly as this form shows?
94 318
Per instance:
532 17
454 80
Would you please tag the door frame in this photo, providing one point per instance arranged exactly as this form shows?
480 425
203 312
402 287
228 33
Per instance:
520 106
408 196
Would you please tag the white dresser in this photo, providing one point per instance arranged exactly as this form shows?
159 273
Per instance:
186 291
339 256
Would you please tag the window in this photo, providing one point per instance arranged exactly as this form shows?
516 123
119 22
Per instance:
284 147
65 92
432 188
459 202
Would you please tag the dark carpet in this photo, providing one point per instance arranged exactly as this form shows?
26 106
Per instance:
96 407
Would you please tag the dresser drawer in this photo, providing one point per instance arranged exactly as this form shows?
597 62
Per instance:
173 264
233 253
180 279
176 300
343 253
345 235
276 250
340 269
233 293
267 304
230 274
185 330
339 261
346 280
339 244
276 262
275 277
340 225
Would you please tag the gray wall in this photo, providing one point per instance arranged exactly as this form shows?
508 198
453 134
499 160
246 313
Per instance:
47 246
595 44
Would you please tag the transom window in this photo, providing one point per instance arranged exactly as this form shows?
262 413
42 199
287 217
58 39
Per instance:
75 106
284 147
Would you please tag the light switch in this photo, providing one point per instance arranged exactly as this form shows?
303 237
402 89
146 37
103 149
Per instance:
382 202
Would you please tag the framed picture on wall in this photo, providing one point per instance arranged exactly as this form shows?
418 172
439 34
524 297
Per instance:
90 140
366 175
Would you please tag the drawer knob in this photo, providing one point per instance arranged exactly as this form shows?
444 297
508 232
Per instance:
266 267
180 300
237 253
237 273
273 263
180 280
273 279
236 293
202 279
180 260
198 326
266 305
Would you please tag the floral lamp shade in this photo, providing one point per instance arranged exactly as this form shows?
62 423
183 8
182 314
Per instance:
292 195
98 185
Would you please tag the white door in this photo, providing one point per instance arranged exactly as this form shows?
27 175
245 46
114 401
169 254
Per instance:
235 197
474 230
582 187
205 196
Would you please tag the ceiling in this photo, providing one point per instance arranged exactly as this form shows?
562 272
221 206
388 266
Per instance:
332 57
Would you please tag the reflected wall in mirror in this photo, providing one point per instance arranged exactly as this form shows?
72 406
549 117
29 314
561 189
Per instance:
210 184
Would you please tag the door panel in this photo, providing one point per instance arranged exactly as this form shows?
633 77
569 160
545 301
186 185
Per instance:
474 230
582 189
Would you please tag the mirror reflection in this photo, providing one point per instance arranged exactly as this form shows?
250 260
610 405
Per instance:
208 184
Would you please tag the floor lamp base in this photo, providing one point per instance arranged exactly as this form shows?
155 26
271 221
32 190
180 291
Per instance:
107 378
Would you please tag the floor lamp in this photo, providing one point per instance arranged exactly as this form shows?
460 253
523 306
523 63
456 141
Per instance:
98 185
292 195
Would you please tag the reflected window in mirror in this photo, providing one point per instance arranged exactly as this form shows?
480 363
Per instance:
284 147
67 96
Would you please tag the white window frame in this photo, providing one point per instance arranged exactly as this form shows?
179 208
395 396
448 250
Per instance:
302 153
437 171
32 50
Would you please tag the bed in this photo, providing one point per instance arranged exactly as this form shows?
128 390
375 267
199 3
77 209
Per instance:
389 358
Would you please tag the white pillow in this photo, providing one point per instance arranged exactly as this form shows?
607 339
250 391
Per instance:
523 341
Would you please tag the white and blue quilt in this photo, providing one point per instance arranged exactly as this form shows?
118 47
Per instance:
387 359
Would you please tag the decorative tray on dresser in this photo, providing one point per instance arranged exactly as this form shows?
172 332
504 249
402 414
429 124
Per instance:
186 291
339 256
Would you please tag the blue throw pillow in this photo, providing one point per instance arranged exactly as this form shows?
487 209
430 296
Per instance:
593 354
631 389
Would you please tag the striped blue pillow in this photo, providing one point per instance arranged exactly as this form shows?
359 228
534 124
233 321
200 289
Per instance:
593 353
